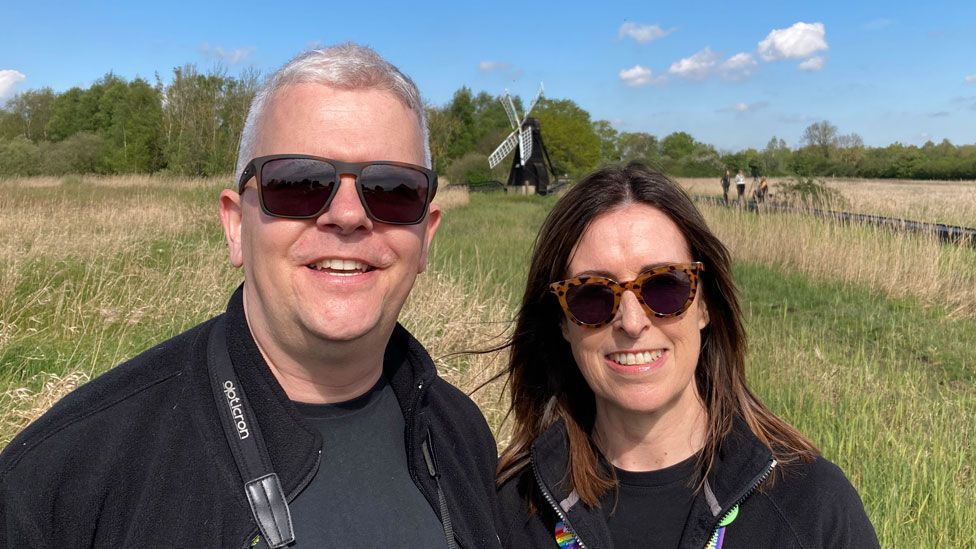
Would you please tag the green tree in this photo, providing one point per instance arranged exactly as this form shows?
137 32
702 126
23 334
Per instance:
461 109
67 115
677 146
609 142
573 145
33 110
775 158
820 135
202 118
639 146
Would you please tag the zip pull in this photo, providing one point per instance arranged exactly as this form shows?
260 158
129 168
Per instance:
429 458
425 448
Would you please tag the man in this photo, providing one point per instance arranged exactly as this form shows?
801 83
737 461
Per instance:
305 415
725 187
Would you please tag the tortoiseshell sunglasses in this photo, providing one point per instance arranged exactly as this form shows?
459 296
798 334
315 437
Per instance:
664 291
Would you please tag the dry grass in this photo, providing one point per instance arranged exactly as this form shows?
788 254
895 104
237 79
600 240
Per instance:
22 405
451 196
951 202
898 264
452 319
92 270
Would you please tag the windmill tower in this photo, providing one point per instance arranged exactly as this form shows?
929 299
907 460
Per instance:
531 166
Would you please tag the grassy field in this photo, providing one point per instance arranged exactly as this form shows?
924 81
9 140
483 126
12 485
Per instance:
861 338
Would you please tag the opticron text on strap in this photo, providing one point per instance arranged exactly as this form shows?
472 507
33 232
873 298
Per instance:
261 485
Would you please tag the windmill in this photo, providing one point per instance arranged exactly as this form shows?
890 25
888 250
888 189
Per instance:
529 166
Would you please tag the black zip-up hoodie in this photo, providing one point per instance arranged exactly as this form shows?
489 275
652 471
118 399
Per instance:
137 458
800 505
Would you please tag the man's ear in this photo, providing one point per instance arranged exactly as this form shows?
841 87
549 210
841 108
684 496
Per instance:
230 218
433 221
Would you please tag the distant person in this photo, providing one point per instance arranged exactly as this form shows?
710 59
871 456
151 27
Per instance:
754 168
740 186
633 422
346 436
762 188
725 187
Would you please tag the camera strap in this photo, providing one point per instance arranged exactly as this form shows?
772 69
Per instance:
261 485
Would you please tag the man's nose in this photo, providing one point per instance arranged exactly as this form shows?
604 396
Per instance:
631 318
346 212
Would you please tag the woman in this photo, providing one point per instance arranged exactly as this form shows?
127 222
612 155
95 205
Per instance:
633 424
740 185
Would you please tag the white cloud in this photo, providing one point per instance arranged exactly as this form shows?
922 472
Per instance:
799 41
642 33
742 108
739 66
231 57
812 64
697 66
488 66
8 79
971 79
638 76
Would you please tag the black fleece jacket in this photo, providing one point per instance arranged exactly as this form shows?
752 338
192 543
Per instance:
800 505
137 458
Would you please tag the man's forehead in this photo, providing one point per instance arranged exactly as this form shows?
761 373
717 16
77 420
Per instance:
365 123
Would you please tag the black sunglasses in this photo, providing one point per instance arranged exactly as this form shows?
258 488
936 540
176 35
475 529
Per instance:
663 292
300 186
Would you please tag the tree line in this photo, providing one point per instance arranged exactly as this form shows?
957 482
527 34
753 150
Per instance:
192 126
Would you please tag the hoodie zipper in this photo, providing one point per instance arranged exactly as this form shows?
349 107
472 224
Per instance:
555 506
745 495
250 541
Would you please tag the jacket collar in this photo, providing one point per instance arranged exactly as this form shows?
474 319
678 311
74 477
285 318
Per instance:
742 461
294 446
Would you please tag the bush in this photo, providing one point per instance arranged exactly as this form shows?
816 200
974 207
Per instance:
19 156
470 168
80 153
807 192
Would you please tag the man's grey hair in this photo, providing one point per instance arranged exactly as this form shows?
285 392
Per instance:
345 66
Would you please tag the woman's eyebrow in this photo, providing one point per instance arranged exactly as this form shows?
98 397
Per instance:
611 276
595 272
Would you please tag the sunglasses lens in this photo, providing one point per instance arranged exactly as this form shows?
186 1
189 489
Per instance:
296 187
666 293
394 194
590 303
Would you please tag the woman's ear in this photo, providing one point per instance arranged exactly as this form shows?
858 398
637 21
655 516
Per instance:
702 314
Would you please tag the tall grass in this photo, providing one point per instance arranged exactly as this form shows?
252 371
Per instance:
860 338
899 264
951 202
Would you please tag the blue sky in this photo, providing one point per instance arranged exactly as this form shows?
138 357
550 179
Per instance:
731 74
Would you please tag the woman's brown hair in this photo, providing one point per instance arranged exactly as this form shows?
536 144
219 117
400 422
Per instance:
546 384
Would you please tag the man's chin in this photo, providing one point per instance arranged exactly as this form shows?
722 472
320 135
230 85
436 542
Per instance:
348 329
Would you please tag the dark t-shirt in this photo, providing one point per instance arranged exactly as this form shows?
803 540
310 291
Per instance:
650 508
362 494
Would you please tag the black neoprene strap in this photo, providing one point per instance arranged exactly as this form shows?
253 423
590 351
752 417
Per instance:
261 485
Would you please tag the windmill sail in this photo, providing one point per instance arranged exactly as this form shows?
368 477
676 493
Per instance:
510 110
503 150
525 144
538 96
